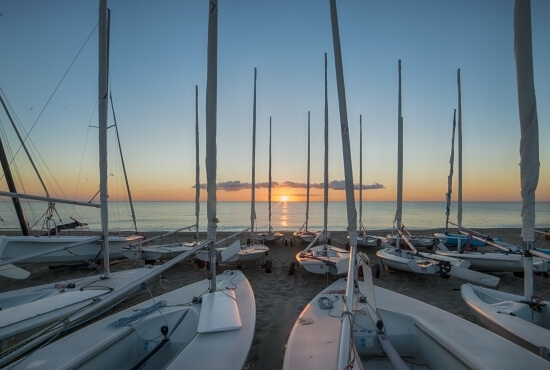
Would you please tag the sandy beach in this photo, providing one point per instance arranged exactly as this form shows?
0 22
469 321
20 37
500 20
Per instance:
280 297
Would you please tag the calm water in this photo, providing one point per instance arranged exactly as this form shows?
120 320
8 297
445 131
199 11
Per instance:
235 216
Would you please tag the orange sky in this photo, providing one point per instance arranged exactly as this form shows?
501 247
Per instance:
476 188
487 193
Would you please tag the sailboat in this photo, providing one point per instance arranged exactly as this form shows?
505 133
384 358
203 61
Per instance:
50 247
304 234
362 238
406 257
394 238
509 259
268 236
455 240
324 258
253 252
452 240
151 253
32 316
161 252
55 250
525 319
354 325
179 329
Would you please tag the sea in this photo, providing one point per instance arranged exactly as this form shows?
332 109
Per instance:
285 216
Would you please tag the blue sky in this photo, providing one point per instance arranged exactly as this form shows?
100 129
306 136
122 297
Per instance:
158 55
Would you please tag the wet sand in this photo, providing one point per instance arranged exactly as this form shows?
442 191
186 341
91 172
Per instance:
280 297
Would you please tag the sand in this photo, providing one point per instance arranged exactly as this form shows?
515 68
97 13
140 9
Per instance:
280 297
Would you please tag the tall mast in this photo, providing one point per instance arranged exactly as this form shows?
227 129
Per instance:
399 211
269 175
345 336
344 128
102 115
308 166
197 163
360 170
326 154
253 187
529 143
211 122
459 199
450 177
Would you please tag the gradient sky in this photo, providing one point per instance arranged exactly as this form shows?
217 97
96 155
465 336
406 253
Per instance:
158 55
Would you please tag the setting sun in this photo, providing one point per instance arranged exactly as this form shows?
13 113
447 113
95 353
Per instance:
284 198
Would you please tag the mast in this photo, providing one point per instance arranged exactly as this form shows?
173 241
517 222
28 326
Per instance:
399 211
529 142
269 175
345 336
348 172
253 187
360 170
211 149
197 164
450 177
459 200
308 165
326 157
102 115
11 183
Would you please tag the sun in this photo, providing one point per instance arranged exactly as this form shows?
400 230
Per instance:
284 198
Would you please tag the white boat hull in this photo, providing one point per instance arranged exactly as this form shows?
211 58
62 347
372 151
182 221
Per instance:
429 263
507 315
417 241
420 333
451 240
406 261
248 254
309 236
370 240
193 341
496 261
20 246
266 237
60 307
158 252
323 259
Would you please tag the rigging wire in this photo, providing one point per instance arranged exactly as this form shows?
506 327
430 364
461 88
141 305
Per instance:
82 160
61 81
122 164
27 138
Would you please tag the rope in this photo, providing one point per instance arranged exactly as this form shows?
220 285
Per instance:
540 295
468 243
325 303
125 321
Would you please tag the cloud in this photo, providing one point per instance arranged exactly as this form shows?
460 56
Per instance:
374 185
293 185
337 185
233 185
265 185
333 185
